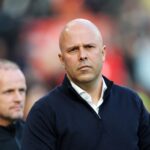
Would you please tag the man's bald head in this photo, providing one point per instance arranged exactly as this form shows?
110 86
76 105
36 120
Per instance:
76 25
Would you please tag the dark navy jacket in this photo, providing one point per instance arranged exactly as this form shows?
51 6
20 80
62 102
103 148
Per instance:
62 120
10 136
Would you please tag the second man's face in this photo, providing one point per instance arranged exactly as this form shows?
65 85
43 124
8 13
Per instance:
12 95
82 55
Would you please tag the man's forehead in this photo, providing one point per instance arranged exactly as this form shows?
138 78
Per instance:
78 28
11 74
12 79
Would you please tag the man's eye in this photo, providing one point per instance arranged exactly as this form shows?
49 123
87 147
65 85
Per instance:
73 49
22 90
89 46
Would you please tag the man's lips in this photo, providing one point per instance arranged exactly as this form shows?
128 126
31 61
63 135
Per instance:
17 107
84 67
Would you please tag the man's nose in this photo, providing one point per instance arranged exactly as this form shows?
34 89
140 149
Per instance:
82 54
18 97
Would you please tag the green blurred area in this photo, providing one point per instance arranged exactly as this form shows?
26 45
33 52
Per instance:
146 100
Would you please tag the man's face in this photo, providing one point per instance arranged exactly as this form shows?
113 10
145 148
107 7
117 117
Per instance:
12 95
82 55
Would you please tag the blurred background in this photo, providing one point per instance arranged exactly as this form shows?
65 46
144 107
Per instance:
29 31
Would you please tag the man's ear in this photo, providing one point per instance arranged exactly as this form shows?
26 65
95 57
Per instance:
104 52
61 59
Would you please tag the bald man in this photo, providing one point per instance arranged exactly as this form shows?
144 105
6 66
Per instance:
87 111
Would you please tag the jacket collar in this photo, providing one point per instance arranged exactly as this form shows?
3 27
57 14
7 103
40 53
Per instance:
66 83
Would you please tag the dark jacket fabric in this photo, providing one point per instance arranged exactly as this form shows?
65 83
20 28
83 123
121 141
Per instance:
62 120
10 136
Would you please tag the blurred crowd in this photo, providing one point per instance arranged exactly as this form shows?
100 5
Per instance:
29 33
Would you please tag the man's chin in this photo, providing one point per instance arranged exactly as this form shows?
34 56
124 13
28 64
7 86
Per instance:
85 78
17 116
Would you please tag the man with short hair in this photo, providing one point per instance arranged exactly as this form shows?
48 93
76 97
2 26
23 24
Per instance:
12 98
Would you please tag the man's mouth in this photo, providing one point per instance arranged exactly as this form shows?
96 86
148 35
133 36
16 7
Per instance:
85 67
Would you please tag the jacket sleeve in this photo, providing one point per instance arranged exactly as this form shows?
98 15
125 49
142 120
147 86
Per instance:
39 131
144 129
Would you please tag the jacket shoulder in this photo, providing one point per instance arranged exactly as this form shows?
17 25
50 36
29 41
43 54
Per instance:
127 94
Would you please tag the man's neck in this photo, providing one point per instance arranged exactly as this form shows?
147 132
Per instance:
92 88
5 122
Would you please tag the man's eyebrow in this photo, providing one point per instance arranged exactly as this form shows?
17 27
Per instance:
72 47
89 44
77 46
7 90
